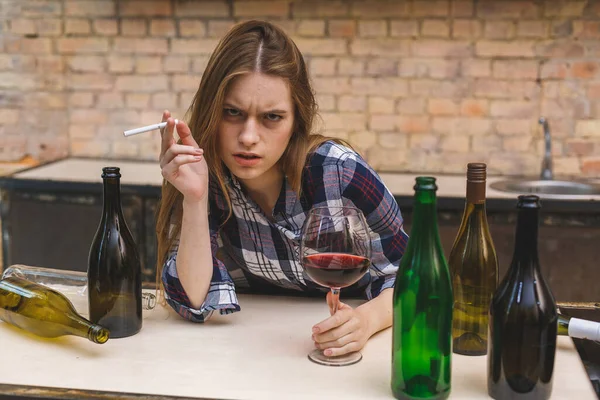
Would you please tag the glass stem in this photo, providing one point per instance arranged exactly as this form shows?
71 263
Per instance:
335 300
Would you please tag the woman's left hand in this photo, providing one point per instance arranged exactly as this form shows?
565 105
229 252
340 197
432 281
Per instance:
344 332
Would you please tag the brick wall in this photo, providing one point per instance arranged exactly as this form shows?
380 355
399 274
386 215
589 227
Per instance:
416 85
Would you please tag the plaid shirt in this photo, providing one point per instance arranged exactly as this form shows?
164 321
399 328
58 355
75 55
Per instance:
250 248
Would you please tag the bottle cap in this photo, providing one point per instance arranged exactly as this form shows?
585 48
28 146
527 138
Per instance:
528 201
476 172
111 172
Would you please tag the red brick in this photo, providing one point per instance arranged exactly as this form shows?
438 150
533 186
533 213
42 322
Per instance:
192 46
426 142
162 27
322 66
271 8
35 8
513 109
35 46
561 29
584 69
396 87
218 28
532 29
412 124
560 49
321 46
591 166
83 131
81 100
381 105
133 27
431 8
499 9
382 67
428 87
442 107
90 82
120 63
476 68
345 121
157 83
137 100
23 26
46 100
110 101
466 29
404 28
326 102
593 91
517 69
88 116
49 27
499 29
411 106
82 45
161 101
90 8
342 28
320 9
204 8
586 29
9 116
562 8
462 8
12 147
435 28
350 67
157 8
87 63
352 103
106 27
589 128
428 68
381 9
474 107
554 69
148 65
489 48
141 46
183 82
580 147
77 27
376 28
441 48
311 27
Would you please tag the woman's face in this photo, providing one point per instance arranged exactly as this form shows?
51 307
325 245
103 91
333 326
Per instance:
257 123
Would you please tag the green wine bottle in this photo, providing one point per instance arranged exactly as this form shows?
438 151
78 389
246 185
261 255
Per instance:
474 269
114 269
44 312
578 328
422 307
523 319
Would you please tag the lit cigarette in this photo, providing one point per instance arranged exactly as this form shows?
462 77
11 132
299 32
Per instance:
146 128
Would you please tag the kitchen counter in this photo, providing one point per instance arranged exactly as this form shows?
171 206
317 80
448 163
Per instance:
258 353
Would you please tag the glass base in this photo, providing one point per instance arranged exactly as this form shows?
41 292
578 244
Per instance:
318 357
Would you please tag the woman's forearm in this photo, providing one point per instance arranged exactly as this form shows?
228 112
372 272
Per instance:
194 257
378 311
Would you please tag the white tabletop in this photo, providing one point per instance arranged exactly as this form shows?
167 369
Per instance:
258 353
148 173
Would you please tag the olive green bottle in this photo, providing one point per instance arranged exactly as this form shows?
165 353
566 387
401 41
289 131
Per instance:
44 312
114 268
578 328
422 307
474 269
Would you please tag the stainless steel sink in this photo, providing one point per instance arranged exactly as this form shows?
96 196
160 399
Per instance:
547 187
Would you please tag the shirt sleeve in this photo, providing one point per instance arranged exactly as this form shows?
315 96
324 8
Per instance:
363 187
221 293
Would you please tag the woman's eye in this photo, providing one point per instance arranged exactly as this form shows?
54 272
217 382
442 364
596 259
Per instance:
232 112
273 117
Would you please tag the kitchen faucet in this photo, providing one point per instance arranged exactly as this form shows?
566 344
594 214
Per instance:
547 161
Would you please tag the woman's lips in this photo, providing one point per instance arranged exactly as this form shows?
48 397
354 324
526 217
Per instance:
246 162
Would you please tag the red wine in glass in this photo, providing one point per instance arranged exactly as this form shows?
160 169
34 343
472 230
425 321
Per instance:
335 252
335 270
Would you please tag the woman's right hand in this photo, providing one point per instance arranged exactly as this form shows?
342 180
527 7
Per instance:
183 165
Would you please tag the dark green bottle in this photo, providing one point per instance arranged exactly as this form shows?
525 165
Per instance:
114 269
422 325
523 319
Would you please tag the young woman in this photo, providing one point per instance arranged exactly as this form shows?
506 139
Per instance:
243 176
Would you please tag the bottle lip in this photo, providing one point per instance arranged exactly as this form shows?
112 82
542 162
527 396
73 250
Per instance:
111 172
425 183
530 201
99 334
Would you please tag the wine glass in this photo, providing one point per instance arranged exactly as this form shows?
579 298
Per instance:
335 250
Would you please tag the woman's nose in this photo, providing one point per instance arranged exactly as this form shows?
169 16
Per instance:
249 134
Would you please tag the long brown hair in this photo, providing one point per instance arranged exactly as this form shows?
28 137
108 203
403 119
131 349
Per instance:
252 46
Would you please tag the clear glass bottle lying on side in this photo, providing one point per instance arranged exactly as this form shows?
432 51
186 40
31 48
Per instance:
44 312
67 282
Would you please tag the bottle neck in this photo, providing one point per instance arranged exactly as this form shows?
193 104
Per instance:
476 192
425 214
83 328
526 238
112 197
